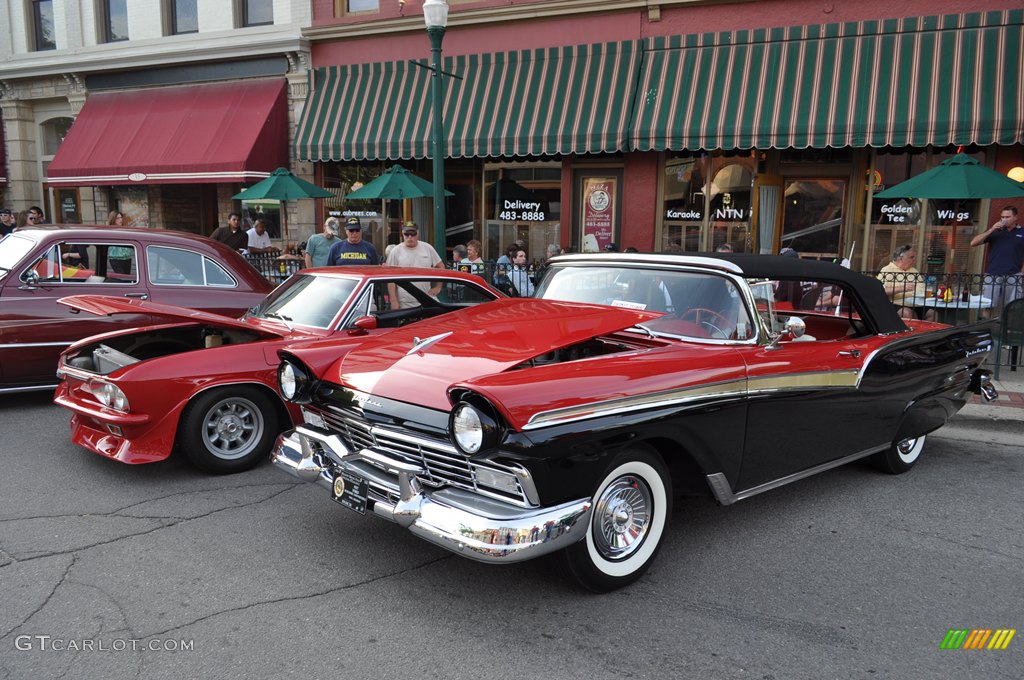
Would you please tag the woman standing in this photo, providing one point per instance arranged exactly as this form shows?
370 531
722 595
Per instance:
120 256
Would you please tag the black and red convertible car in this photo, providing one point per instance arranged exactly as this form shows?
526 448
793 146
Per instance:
568 422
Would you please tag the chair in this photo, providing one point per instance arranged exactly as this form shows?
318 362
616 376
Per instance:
1011 333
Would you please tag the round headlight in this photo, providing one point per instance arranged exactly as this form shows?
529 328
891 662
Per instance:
467 428
290 380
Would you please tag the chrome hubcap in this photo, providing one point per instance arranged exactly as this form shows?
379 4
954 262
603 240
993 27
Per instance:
906 450
622 517
233 428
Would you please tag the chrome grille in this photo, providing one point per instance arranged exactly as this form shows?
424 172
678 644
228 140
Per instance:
444 464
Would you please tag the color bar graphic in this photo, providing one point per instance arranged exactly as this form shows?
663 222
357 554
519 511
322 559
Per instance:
977 638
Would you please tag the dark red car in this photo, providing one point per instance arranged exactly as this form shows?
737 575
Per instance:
40 265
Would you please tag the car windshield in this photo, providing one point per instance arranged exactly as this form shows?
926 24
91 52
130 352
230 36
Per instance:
13 248
307 300
696 304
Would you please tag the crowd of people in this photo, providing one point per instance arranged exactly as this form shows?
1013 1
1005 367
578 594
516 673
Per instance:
513 273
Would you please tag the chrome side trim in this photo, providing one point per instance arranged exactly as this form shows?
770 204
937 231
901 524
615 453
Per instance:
724 494
687 395
67 343
799 381
29 388
762 385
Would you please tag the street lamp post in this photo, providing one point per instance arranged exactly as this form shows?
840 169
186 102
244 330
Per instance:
435 14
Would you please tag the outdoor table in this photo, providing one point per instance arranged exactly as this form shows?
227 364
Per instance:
947 311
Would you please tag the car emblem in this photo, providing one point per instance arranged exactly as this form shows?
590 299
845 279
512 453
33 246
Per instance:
339 485
420 345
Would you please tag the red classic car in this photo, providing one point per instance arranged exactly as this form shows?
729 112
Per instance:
41 264
206 383
524 426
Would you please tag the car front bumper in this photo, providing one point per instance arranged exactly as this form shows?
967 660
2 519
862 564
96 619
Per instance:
460 521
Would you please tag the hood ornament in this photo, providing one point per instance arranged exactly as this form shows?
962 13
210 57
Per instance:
420 345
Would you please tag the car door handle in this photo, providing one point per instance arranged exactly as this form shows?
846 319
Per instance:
855 353
141 296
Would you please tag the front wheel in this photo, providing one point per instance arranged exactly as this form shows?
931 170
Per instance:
228 429
631 508
900 457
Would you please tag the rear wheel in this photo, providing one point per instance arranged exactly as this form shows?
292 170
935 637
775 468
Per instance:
900 457
630 511
228 429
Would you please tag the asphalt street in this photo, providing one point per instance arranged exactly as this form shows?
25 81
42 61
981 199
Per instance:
110 571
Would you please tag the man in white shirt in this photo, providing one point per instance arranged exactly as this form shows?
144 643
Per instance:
412 252
259 240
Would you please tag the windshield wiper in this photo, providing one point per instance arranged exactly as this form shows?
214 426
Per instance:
282 317
645 329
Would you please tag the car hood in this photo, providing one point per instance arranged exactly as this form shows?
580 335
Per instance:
419 363
106 305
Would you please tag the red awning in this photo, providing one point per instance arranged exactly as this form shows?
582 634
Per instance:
223 132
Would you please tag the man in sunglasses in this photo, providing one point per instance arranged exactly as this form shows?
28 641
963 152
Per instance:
353 250
412 252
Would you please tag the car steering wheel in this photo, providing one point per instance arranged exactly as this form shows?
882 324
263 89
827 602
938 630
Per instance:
710 314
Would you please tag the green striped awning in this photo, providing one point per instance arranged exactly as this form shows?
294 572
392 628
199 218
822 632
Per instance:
917 81
561 100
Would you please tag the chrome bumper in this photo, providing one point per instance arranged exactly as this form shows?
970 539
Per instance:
459 521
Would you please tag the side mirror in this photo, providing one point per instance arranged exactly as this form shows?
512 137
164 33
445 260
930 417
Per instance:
362 325
31 279
795 326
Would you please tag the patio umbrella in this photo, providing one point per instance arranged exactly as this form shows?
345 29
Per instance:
396 182
282 186
958 177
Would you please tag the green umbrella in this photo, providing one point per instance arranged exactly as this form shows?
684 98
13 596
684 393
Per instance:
396 182
958 177
282 186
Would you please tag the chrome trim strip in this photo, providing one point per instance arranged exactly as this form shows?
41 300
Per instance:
414 440
38 344
798 381
29 388
773 384
704 262
686 395
724 494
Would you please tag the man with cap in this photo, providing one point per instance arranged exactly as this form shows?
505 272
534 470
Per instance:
318 247
6 221
353 250
412 252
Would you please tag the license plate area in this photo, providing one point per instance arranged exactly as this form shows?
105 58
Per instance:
350 490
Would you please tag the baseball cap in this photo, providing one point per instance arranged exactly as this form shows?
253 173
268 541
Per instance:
332 225
352 224
6 211
410 226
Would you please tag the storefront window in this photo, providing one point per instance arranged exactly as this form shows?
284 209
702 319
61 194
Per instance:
707 203
948 233
685 180
522 205
949 225
812 216
730 202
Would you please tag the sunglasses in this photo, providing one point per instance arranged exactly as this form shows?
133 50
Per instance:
410 233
